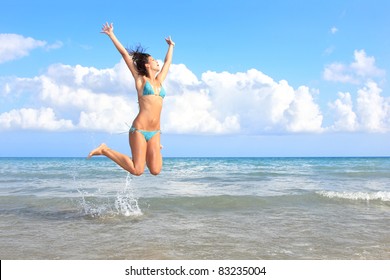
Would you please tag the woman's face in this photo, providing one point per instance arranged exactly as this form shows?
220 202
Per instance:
153 64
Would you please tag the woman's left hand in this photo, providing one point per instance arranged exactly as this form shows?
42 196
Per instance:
169 41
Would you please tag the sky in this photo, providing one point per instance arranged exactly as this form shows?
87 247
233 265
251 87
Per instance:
249 78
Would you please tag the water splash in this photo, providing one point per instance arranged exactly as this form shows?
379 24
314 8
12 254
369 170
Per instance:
126 202
92 206
98 204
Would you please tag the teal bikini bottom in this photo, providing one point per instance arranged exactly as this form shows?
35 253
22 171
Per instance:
147 134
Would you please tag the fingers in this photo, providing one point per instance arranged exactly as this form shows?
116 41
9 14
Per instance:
169 41
107 27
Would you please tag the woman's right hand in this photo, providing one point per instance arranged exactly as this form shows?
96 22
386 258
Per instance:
169 41
108 29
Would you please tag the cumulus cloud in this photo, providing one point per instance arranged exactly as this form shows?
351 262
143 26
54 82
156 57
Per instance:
27 118
373 109
260 103
364 66
194 112
345 117
357 72
246 102
339 72
369 113
303 114
95 111
74 98
86 98
14 46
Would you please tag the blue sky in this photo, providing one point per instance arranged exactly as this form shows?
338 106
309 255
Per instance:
249 78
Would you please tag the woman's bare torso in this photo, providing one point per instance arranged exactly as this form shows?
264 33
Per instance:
149 115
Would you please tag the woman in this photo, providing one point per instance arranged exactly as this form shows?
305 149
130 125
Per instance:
144 135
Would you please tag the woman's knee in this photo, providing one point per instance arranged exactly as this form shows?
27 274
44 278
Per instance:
138 170
155 170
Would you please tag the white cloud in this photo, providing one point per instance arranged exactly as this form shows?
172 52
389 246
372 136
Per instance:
180 77
303 114
339 72
219 103
54 46
334 30
364 66
262 103
102 99
83 98
193 112
86 98
116 80
189 107
27 118
345 117
357 72
14 46
371 112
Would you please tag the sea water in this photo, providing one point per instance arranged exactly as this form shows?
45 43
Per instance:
197 208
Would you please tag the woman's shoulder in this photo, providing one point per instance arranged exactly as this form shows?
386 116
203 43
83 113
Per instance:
140 82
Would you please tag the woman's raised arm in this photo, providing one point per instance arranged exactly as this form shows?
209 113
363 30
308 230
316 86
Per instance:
109 30
167 61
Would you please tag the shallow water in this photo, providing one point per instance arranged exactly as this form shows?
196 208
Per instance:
198 208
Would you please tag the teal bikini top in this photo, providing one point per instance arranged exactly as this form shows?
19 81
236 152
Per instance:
148 90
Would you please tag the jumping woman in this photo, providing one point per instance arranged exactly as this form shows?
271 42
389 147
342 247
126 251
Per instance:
144 134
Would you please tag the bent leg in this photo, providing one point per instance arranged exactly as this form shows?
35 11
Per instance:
153 155
138 146
135 166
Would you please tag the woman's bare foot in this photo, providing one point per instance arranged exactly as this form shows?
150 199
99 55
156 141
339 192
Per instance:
98 151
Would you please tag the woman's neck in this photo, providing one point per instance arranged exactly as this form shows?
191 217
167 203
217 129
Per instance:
152 75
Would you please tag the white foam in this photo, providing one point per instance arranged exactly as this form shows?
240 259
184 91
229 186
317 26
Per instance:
92 208
126 203
368 196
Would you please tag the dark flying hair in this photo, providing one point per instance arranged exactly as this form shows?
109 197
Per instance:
140 58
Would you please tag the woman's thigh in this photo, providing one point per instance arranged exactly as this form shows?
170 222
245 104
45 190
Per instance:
153 155
138 147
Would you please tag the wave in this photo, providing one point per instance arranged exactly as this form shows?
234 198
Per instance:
366 196
253 202
126 204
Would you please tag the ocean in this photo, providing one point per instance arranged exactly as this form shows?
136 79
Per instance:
197 208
